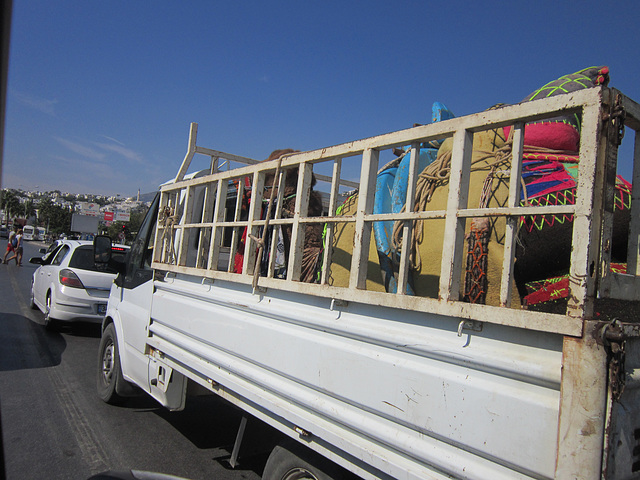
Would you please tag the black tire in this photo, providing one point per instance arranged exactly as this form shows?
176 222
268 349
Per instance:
291 461
49 323
109 372
32 302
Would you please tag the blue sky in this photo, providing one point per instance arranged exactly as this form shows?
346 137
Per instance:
101 94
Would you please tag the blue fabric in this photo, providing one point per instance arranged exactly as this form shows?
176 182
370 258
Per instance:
391 196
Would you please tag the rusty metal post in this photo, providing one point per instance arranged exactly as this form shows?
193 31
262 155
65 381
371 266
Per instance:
582 407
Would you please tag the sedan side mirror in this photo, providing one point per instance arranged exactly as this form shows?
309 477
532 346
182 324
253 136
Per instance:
36 260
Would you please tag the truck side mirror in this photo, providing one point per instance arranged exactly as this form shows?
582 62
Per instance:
102 249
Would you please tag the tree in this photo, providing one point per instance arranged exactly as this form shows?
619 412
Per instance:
10 203
55 217
130 228
115 229
137 216
29 209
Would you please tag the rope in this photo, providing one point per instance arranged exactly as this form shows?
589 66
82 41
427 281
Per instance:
476 280
261 241
436 175
168 220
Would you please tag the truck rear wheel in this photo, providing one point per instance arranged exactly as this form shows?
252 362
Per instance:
109 372
292 461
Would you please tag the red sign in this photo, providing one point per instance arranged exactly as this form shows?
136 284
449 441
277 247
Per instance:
108 216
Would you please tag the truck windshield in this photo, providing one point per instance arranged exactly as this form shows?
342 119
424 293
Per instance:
141 252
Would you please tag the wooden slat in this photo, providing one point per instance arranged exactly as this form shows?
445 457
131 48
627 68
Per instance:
237 232
633 250
297 232
512 222
362 231
183 250
451 267
608 193
586 232
217 231
255 210
277 213
160 242
623 287
191 150
330 229
214 164
407 229
528 319
632 109
205 232
226 156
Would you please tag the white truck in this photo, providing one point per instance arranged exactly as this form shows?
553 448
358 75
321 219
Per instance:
379 384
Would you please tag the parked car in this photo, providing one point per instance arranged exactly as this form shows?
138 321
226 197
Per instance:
4 232
46 251
69 286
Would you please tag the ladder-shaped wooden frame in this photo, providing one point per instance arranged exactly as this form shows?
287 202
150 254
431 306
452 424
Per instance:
173 240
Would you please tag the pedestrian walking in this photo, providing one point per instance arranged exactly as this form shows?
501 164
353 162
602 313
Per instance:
10 247
17 244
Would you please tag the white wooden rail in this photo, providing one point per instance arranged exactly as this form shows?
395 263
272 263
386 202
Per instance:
191 245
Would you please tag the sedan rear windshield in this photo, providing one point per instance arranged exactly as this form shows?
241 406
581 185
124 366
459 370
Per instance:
83 259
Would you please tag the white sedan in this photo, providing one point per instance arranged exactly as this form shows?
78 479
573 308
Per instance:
68 286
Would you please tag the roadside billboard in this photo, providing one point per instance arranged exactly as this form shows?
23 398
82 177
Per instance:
84 223
90 209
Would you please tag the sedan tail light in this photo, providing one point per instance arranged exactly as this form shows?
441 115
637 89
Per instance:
70 279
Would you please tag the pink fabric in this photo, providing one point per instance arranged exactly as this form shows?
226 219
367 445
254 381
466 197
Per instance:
555 135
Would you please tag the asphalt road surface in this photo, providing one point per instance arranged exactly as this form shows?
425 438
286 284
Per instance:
55 427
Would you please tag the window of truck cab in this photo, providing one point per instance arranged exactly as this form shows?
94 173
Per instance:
140 256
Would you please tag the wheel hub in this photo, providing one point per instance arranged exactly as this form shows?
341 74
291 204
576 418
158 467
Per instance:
299 474
107 362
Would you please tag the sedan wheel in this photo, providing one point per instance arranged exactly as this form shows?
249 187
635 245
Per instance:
48 321
32 302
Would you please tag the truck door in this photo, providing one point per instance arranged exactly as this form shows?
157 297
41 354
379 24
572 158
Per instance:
134 306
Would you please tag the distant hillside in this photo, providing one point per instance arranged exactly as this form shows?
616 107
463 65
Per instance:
147 197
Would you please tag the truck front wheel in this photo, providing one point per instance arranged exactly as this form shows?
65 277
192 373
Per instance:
109 372
292 461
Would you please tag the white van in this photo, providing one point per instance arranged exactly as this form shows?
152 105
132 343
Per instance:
28 232
392 384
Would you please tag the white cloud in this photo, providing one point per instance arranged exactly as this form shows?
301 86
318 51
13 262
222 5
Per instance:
81 149
41 104
120 149
113 140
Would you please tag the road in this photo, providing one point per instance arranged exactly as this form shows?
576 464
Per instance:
55 427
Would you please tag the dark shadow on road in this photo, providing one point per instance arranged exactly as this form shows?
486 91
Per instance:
78 329
210 422
27 344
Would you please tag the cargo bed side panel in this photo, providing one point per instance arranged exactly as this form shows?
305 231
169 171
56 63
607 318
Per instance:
405 385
